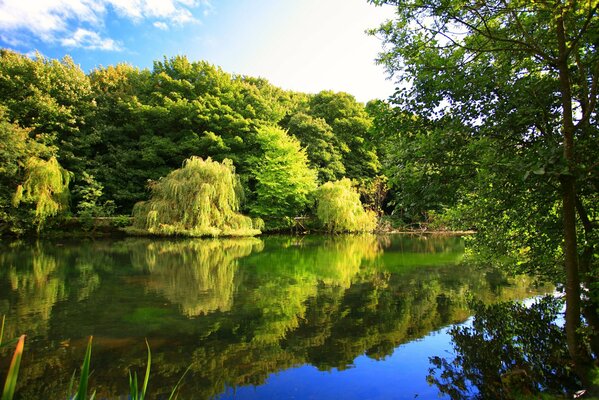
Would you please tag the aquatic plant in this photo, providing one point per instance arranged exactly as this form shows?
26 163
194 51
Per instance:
13 371
84 379
135 393
199 199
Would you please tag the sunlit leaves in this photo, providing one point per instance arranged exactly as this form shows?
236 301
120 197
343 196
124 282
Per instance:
339 208
199 199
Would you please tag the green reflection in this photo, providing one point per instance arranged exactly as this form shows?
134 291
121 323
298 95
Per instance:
198 275
236 310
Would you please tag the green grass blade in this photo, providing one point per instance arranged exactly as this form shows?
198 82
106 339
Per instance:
173 396
147 377
84 380
71 384
134 392
13 371
132 388
2 329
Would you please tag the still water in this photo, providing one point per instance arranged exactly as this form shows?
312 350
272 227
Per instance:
282 317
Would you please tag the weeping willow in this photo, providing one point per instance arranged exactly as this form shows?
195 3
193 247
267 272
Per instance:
340 209
46 186
199 199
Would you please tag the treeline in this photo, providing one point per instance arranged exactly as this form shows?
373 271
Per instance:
91 144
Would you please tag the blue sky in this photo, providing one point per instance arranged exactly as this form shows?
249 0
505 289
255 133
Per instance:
303 45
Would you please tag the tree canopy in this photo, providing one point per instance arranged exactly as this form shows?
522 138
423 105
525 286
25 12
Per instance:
199 199
339 208
117 127
517 81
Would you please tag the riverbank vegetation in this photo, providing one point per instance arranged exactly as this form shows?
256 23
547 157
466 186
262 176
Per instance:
115 132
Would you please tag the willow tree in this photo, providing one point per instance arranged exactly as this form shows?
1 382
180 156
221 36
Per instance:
46 189
339 208
199 199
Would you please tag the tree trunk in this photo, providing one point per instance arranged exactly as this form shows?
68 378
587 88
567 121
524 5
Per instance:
575 347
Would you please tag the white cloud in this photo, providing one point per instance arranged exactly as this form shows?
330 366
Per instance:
161 25
77 23
90 40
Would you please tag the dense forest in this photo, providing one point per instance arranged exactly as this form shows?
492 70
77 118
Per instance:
81 144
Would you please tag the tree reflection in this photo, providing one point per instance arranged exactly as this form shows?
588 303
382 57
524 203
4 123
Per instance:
196 274
235 310
510 351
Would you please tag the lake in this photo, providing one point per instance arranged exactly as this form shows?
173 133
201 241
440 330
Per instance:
277 317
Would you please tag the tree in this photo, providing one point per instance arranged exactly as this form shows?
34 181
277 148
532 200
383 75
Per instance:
33 185
339 208
351 125
46 187
284 182
319 140
199 199
520 78
54 99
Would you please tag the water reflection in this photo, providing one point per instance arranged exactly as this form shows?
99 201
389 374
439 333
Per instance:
198 275
236 310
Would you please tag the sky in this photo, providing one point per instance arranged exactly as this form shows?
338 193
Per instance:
302 45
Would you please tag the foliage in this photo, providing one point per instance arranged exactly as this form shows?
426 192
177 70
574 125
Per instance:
337 133
46 186
54 99
507 91
339 208
199 199
16 148
319 140
284 182
510 351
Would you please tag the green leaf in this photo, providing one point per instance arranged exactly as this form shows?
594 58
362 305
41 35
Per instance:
84 380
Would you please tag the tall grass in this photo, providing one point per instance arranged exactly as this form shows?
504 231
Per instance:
84 379
135 392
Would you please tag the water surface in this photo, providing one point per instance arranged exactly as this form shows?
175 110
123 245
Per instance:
353 317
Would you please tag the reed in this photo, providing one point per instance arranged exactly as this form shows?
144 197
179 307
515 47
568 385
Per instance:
84 379
13 371
134 393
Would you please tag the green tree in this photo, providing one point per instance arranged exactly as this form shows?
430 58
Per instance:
319 140
54 99
521 78
284 182
33 186
199 199
339 208
46 188
351 126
